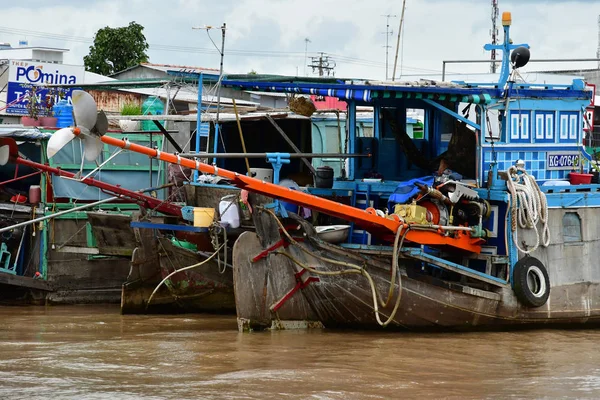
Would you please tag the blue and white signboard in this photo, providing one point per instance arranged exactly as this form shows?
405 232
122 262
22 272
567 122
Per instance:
23 75
562 160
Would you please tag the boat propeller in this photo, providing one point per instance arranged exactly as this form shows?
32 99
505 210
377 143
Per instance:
89 125
8 150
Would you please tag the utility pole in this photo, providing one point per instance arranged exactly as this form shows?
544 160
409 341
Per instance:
323 64
494 34
598 50
387 33
221 51
306 42
398 40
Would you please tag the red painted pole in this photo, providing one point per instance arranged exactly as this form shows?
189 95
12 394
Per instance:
20 177
142 199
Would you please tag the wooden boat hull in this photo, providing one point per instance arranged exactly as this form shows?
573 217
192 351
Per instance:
204 288
200 289
426 303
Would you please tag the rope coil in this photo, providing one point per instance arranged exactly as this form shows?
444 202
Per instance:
528 206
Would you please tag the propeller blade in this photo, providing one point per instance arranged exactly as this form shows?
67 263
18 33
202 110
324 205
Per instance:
92 147
8 150
58 140
84 109
101 123
4 155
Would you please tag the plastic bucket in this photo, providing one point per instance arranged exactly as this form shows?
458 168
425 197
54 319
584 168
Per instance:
203 217
577 178
324 177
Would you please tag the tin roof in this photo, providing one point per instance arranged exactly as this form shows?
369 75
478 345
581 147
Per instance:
166 68
178 68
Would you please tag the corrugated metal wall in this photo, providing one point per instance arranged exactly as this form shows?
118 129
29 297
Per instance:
112 101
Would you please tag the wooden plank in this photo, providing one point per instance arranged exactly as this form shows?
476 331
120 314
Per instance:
292 145
24 281
19 208
78 250
114 236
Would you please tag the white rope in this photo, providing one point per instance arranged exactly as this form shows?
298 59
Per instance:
528 207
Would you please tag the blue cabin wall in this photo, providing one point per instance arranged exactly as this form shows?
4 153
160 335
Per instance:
545 133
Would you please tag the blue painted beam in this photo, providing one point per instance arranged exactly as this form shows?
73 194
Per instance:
338 90
454 114
167 227
419 254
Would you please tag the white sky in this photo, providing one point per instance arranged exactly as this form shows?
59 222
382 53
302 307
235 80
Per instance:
352 31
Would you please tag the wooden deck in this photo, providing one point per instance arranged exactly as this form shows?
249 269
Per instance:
24 281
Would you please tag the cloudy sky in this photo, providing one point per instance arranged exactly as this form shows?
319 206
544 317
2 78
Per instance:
268 36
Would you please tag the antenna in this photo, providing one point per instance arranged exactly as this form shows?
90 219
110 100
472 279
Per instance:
494 33
306 42
388 32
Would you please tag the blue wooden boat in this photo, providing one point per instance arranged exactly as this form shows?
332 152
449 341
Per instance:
511 180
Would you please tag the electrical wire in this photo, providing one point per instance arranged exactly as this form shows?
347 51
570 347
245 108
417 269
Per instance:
203 50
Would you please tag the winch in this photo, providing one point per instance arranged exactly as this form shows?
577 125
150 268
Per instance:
412 213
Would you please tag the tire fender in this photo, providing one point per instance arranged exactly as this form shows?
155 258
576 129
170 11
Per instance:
531 282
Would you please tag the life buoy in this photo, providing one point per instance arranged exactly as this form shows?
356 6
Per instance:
531 282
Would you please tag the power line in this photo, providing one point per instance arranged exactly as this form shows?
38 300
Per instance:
152 46
340 59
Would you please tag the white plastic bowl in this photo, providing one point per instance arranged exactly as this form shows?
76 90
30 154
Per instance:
333 233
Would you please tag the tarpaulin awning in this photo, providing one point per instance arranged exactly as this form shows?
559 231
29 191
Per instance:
23 132
483 98
365 92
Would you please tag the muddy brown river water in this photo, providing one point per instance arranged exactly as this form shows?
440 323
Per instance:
87 352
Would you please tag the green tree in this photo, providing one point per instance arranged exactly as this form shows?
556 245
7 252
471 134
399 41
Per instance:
116 49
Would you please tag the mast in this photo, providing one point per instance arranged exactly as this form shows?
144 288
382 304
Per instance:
398 40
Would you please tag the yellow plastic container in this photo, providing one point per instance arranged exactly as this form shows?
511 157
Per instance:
203 217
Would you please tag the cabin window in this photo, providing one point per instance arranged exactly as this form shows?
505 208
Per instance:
520 126
367 131
544 126
571 227
492 125
568 126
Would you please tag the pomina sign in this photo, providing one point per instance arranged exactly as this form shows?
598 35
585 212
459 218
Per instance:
22 75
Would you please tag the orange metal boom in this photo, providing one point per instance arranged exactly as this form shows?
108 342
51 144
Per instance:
363 218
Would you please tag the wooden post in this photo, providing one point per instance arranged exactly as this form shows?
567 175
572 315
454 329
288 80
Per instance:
287 139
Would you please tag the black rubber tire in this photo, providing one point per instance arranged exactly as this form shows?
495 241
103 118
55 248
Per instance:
531 282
